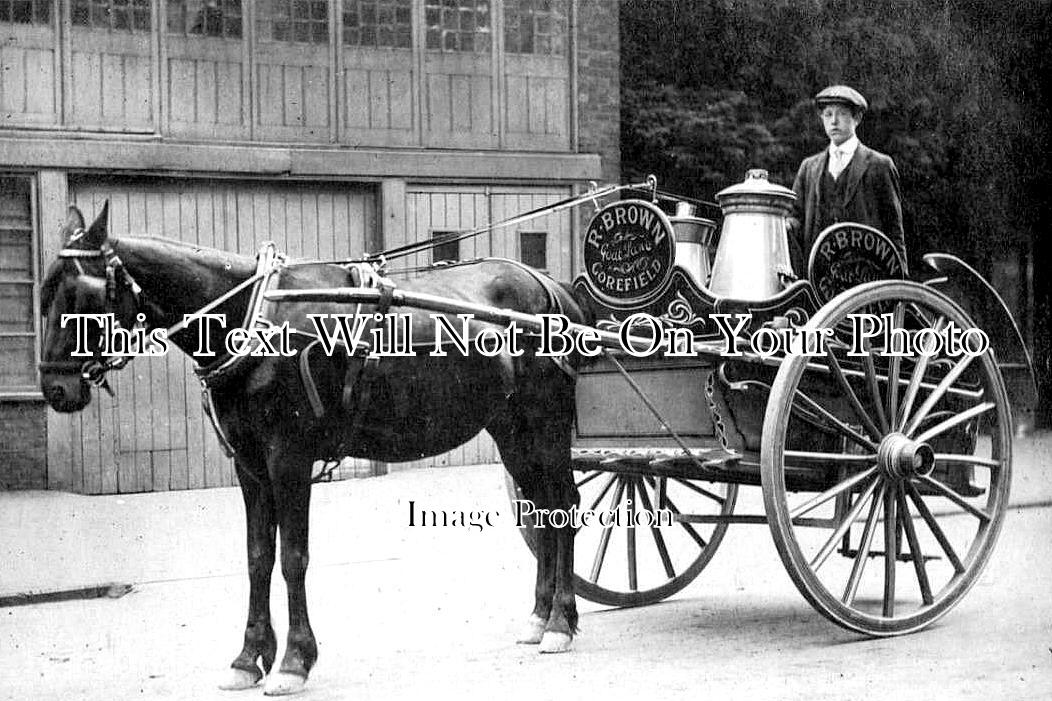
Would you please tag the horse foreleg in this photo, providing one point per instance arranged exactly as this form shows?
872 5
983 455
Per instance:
260 642
563 494
292 500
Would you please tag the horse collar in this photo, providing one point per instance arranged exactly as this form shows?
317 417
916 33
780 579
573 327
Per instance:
269 264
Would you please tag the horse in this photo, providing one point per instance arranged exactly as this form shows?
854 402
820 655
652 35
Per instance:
278 420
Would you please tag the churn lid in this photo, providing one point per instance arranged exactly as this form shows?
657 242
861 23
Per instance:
756 189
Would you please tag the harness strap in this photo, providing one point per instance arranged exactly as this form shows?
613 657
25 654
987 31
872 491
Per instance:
363 275
208 404
361 377
309 386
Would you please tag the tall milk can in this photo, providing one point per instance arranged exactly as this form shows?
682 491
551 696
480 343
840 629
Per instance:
752 258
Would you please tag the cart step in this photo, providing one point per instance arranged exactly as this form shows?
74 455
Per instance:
902 557
598 458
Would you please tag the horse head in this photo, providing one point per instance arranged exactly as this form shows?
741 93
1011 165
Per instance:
87 278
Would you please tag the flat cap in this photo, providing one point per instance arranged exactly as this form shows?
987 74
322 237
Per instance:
842 94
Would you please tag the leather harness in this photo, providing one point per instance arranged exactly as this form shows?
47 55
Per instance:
358 376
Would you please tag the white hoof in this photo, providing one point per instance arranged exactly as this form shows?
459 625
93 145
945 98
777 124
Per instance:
533 631
238 679
556 642
283 684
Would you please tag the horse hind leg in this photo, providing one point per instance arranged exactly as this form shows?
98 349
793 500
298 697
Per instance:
536 465
517 462
562 622
544 588
260 642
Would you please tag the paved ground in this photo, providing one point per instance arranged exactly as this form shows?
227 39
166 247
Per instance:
412 613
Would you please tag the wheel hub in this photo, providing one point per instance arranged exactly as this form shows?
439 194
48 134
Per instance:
900 457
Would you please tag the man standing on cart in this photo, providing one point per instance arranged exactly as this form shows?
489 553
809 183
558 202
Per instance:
847 182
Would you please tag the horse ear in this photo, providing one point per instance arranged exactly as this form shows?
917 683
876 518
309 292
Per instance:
99 230
74 221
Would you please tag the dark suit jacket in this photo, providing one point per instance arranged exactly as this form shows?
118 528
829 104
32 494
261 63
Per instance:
871 197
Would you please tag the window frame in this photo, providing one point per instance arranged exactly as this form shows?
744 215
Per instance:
29 392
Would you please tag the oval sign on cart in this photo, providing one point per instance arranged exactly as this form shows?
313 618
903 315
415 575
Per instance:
628 250
848 254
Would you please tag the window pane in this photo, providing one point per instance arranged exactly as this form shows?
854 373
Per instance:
214 18
304 21
119 15
25 11
382 23
458 25
535 27
17 362
447 251
533 247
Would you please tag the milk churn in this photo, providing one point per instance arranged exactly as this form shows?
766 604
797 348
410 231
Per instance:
752 259
694 237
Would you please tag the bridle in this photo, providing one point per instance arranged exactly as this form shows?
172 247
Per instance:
117 277
94 369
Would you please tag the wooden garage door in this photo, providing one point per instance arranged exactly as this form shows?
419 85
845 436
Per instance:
154 436
433 209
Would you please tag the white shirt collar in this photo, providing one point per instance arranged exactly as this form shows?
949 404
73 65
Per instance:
848 147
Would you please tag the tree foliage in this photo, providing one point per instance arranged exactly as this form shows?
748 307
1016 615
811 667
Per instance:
956 91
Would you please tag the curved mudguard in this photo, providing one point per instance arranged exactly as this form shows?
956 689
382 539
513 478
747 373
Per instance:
963 284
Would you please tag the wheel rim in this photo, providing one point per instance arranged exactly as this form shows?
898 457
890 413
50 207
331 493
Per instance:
904 538
639 565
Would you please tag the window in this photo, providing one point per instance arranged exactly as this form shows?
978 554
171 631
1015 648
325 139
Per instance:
458 25
446 251
121 15
210 18
17 288
535 27
25 11
304 21
533 249
385 23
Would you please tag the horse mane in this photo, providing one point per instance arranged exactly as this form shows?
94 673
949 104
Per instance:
235 265
207 255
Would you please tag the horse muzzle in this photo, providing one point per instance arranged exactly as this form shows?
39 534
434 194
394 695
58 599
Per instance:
65 392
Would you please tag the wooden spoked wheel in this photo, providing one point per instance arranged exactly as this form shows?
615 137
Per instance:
916 455
635 565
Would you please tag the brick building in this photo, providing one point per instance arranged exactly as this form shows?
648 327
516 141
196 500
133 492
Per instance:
332 127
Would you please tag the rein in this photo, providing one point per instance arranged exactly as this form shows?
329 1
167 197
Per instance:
94 370
380 259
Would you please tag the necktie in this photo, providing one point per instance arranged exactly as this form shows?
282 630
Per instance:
837 163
